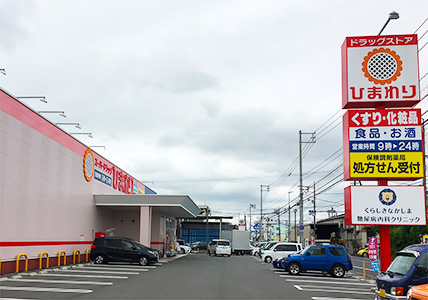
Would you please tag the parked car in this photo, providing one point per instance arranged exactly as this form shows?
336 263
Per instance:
280 250
220 247
184 249
419 292
121 249
409 268
256 250
266 246
363 252
199 246
327 258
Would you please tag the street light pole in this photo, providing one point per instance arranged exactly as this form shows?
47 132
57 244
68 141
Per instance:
392 16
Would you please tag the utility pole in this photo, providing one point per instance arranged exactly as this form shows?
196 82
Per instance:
289 217
311 140
279 226
251 206
295 225
267 188
315 213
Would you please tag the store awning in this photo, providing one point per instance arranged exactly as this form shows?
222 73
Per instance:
178 206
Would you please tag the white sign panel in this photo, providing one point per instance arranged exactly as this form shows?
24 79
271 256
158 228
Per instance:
380 70
385 205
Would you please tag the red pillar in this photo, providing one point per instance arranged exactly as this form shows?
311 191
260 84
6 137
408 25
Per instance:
385 241
385 247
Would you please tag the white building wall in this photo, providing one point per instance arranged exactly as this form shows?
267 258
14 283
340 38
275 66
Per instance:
44 194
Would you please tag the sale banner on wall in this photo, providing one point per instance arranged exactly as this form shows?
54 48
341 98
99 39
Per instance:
385 205
383 144
380 71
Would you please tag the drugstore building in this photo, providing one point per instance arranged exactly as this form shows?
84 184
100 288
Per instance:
57 193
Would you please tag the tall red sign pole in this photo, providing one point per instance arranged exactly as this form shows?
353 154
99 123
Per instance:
385 241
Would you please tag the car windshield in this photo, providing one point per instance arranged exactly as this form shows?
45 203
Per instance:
223 243
304 250
139 246
269 246
402 263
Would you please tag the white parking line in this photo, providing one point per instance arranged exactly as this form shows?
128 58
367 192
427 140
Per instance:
119 266
329 282
117 269
62 281
41 289
16 299
344 290
101 272
317 277
329 298
84 276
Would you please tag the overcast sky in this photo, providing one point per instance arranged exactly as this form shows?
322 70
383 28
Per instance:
203 98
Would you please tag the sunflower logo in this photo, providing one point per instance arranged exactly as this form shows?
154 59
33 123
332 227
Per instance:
88 164
382 66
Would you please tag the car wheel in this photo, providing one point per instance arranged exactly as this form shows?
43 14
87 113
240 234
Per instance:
365 254
338 271
182 251
215 254
209 253
268 259
294 268
99 259
143 261
228 255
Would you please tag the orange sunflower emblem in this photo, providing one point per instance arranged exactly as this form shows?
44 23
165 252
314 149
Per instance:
382 66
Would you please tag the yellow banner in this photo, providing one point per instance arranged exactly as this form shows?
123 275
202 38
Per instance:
387 165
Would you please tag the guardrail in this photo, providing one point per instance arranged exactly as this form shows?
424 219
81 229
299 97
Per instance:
87 254
41 260
17 261
74 256
59 258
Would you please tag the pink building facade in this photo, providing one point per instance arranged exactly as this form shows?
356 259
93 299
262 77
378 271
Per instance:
56 193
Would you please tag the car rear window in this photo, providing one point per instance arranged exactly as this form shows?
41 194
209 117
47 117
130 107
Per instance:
286 248
337 251
223 243
317 251
113 243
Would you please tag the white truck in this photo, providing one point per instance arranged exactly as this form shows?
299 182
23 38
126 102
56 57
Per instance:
239 240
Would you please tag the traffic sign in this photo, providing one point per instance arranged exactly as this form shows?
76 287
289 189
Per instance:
302 227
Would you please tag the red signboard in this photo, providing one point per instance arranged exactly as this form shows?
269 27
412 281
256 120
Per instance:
383 144
380 71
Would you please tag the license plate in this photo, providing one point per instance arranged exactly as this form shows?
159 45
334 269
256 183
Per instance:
382 293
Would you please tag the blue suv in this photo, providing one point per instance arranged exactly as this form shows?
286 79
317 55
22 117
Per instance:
327 258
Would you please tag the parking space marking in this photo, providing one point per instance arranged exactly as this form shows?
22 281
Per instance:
16 298
101 272
61 281
83 276
119 266
329 282
118 269
317 277
41 289
342 290
329 298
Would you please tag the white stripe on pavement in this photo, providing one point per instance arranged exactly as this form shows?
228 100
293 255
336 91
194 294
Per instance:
100 272
118 269
329 282
298 287
16 298
343 290
119 266
41 289
317 277
62 281
84 276
329 298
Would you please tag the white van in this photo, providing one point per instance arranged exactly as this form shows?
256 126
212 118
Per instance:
219 247
280 250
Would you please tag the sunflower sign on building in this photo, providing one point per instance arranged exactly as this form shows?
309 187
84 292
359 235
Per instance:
380 70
